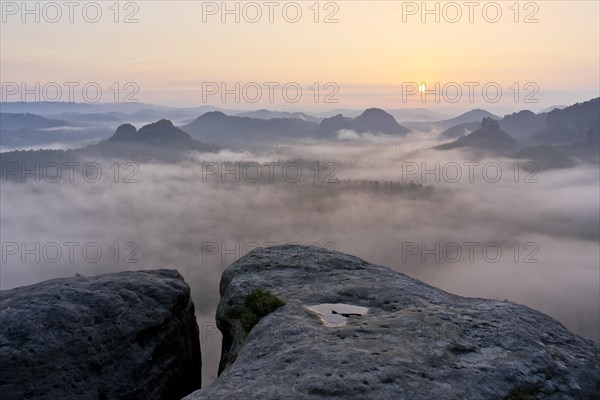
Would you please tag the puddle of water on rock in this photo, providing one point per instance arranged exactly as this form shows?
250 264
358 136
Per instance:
328 311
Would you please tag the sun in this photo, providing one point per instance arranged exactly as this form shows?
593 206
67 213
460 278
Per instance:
422 87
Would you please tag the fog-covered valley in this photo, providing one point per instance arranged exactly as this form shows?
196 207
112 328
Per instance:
472 222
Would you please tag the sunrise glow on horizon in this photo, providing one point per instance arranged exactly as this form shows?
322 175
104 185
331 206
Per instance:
551 46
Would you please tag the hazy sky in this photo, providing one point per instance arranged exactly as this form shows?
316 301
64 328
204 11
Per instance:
177 45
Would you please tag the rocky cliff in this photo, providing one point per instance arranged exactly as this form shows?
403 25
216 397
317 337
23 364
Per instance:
129 335
488 137
409 341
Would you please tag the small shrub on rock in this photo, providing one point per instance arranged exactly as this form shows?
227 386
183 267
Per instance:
258 304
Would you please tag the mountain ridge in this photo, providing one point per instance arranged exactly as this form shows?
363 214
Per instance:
409 341
488 137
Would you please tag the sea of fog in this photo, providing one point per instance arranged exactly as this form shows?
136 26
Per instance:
531 238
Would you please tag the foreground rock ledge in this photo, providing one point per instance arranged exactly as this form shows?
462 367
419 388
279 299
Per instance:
128 335
415 342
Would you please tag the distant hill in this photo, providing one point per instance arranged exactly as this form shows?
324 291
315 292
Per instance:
371 120
473 116
24 130
11 121
61 137
558 139
460 130
268 114
126 111
237 132
547 110
46 108
579 123
400 114
415 114
522 124
488 137
93 118
161 133
245 132
150 114
157 140
470 116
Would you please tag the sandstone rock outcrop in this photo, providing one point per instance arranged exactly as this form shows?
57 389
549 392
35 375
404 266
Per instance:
128 335
414 342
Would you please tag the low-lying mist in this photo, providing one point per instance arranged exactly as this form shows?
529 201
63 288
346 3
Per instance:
534 243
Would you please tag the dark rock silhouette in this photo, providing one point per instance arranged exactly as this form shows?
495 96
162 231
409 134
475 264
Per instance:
519 125
245 132
158 141
579 123
125 132
162 133
488 137
237 132
371 120
129 335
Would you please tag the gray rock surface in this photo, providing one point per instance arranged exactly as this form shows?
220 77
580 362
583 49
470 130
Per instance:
128 335
415 341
